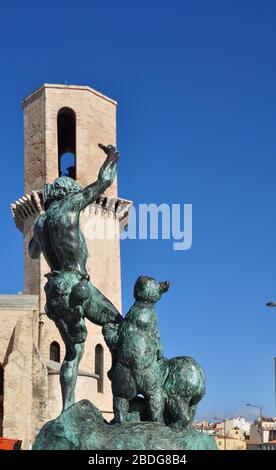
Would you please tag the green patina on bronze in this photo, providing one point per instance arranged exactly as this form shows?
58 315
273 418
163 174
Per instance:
70 296
145 384
81 427
155 398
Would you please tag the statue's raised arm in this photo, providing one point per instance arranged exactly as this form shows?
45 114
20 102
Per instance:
70 296
106 176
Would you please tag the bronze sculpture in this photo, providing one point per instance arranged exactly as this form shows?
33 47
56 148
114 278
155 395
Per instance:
70 296
155 399
171 389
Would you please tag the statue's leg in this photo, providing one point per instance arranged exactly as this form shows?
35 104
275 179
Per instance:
120 408
180 411
69 372
123 390
150 384
155 405
100 309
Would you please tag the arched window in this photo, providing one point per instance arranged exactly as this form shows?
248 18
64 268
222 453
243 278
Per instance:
66 129
54 352
99 365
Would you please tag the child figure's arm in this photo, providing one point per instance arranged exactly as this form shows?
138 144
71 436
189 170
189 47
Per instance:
110 334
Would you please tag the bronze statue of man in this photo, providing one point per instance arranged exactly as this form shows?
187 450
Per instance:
70 296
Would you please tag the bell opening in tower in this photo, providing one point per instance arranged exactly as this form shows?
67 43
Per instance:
66 129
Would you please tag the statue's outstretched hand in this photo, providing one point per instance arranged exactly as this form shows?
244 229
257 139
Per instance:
108 169
112 153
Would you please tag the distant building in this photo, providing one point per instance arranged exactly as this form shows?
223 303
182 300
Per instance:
237 423
271 445
237 433
265 428
205 426
230 443
230 434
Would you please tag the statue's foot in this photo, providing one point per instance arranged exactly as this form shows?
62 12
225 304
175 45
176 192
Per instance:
180 424
157 419
119 420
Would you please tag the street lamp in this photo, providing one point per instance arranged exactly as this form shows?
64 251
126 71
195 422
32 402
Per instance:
273 304
261 423
224 426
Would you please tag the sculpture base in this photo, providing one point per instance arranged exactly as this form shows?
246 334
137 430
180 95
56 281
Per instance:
82 427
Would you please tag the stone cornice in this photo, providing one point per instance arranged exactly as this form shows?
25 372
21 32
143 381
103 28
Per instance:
18 302
67 87
54 369
31 205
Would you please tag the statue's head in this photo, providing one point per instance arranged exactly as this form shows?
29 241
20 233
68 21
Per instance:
59 188
149 290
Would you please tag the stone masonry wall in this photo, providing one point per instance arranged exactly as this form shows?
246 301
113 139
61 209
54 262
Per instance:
18 383
34 142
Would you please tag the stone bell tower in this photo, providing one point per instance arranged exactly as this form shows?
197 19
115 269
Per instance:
62 128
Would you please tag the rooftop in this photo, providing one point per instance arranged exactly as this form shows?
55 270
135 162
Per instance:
67 87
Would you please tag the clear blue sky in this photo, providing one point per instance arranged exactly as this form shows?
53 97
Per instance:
196 87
